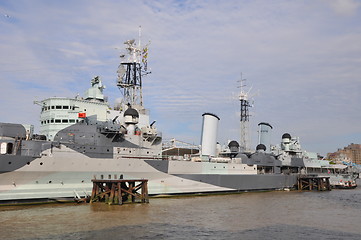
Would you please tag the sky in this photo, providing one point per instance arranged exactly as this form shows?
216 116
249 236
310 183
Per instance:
301 61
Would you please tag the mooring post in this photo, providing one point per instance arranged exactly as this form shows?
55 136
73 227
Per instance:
314 183
112 191
112 194
131 189
120 200
145 191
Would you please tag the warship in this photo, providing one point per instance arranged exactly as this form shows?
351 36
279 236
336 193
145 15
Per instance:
83 138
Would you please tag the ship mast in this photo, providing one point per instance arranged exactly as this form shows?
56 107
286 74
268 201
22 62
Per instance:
130 71
244 116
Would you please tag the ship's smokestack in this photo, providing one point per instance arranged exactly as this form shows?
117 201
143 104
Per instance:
264 135
209 134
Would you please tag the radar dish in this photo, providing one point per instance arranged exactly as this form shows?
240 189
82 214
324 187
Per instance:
121 71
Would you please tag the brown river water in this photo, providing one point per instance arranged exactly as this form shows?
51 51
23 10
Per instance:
258 215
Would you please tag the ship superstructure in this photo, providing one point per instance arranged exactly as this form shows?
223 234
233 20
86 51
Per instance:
296 160
58 113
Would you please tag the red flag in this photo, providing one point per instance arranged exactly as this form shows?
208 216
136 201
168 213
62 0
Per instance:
81 115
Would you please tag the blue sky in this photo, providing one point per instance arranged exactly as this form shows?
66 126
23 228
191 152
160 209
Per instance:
301 58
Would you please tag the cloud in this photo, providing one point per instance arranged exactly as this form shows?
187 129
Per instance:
344 7
302 58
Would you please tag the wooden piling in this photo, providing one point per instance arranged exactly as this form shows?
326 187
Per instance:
317 183
118 191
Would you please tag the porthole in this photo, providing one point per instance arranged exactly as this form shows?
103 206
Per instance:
28 163
9 162
41 163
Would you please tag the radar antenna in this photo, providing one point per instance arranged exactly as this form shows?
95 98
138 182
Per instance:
132 67
245 139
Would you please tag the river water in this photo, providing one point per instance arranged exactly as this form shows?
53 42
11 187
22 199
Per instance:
258 215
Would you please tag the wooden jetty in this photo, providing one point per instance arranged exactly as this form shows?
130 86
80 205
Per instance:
119 191
316 183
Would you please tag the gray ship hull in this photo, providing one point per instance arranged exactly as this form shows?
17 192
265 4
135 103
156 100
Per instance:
65 174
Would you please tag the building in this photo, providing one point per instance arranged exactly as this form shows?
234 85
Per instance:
351 153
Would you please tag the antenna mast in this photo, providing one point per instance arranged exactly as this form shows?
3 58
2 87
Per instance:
130 71
244 117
